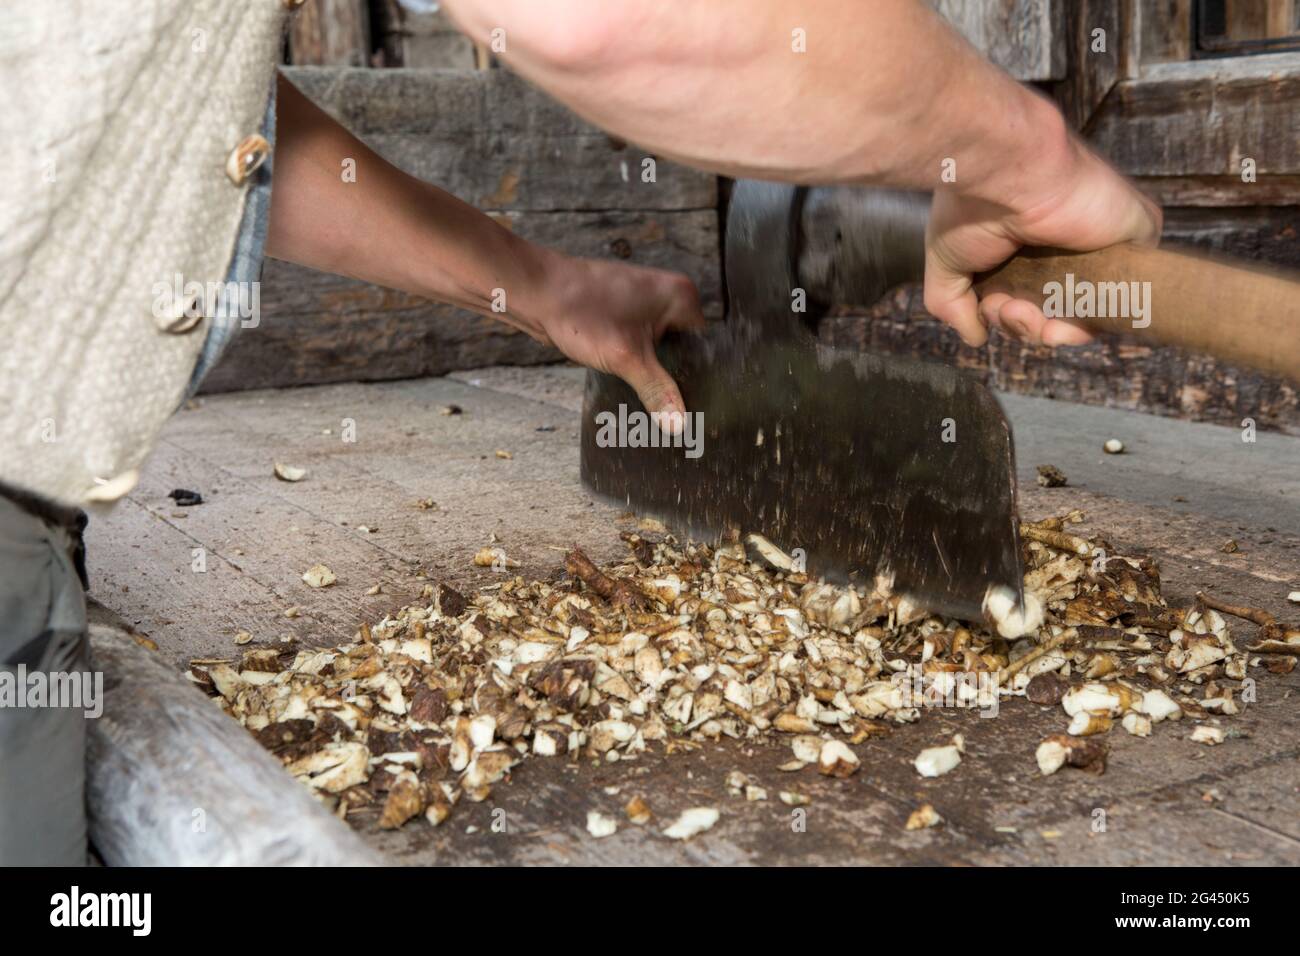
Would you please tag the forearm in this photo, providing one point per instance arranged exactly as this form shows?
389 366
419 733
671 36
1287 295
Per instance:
389 228
884 94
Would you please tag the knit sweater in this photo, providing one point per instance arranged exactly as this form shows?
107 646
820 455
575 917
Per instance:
126 137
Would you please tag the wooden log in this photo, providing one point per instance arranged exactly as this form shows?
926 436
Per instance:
172 781
330 33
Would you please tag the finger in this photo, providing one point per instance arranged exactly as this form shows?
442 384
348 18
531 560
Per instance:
1148 221
657 391
950 298
1026 321
1022 319
1057 332
685 314
989 308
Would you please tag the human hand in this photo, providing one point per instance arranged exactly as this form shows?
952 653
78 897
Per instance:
1083 205
609 315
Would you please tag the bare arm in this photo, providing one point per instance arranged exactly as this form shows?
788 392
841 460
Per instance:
394 230
885 93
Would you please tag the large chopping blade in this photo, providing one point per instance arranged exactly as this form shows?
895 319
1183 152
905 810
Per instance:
869 465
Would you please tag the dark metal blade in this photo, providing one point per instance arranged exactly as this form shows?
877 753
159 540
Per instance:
839 453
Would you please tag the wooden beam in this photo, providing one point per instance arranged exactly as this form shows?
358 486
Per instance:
330 33
1204 118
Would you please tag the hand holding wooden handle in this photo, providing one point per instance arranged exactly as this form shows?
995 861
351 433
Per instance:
1246 316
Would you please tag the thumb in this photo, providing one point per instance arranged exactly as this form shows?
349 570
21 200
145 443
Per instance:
950 298
656 389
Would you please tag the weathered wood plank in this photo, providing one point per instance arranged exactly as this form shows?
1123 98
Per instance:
1024 37
318 328
1092 59
497 142
1165 30
419 40
1204 118
330 33
1222 191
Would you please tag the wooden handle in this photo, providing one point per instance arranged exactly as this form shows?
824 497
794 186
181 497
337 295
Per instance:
1246 316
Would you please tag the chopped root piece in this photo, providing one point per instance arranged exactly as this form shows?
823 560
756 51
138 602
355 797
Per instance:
289 472
924 817
489 557
318 576
1208 735
837 760
405 800
936 761
1049 476
1011 618
1137 725
599 825
1084 724
691 823
674 644
638 811
1059 750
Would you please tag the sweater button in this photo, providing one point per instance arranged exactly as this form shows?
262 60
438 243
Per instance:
245 158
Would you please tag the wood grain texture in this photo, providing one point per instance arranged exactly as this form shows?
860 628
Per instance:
1024 37
1165 30
330 33
1092 61
1204 118
1168 296
419 40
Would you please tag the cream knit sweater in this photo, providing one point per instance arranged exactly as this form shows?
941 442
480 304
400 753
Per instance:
118 122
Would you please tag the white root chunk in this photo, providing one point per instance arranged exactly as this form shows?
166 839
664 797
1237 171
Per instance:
1210 736
1012 619
936 761
1137 725
692 822
837 760
1051 756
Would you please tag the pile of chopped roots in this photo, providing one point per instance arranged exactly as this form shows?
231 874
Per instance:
685 642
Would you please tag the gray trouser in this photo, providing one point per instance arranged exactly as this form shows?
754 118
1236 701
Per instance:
42 636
